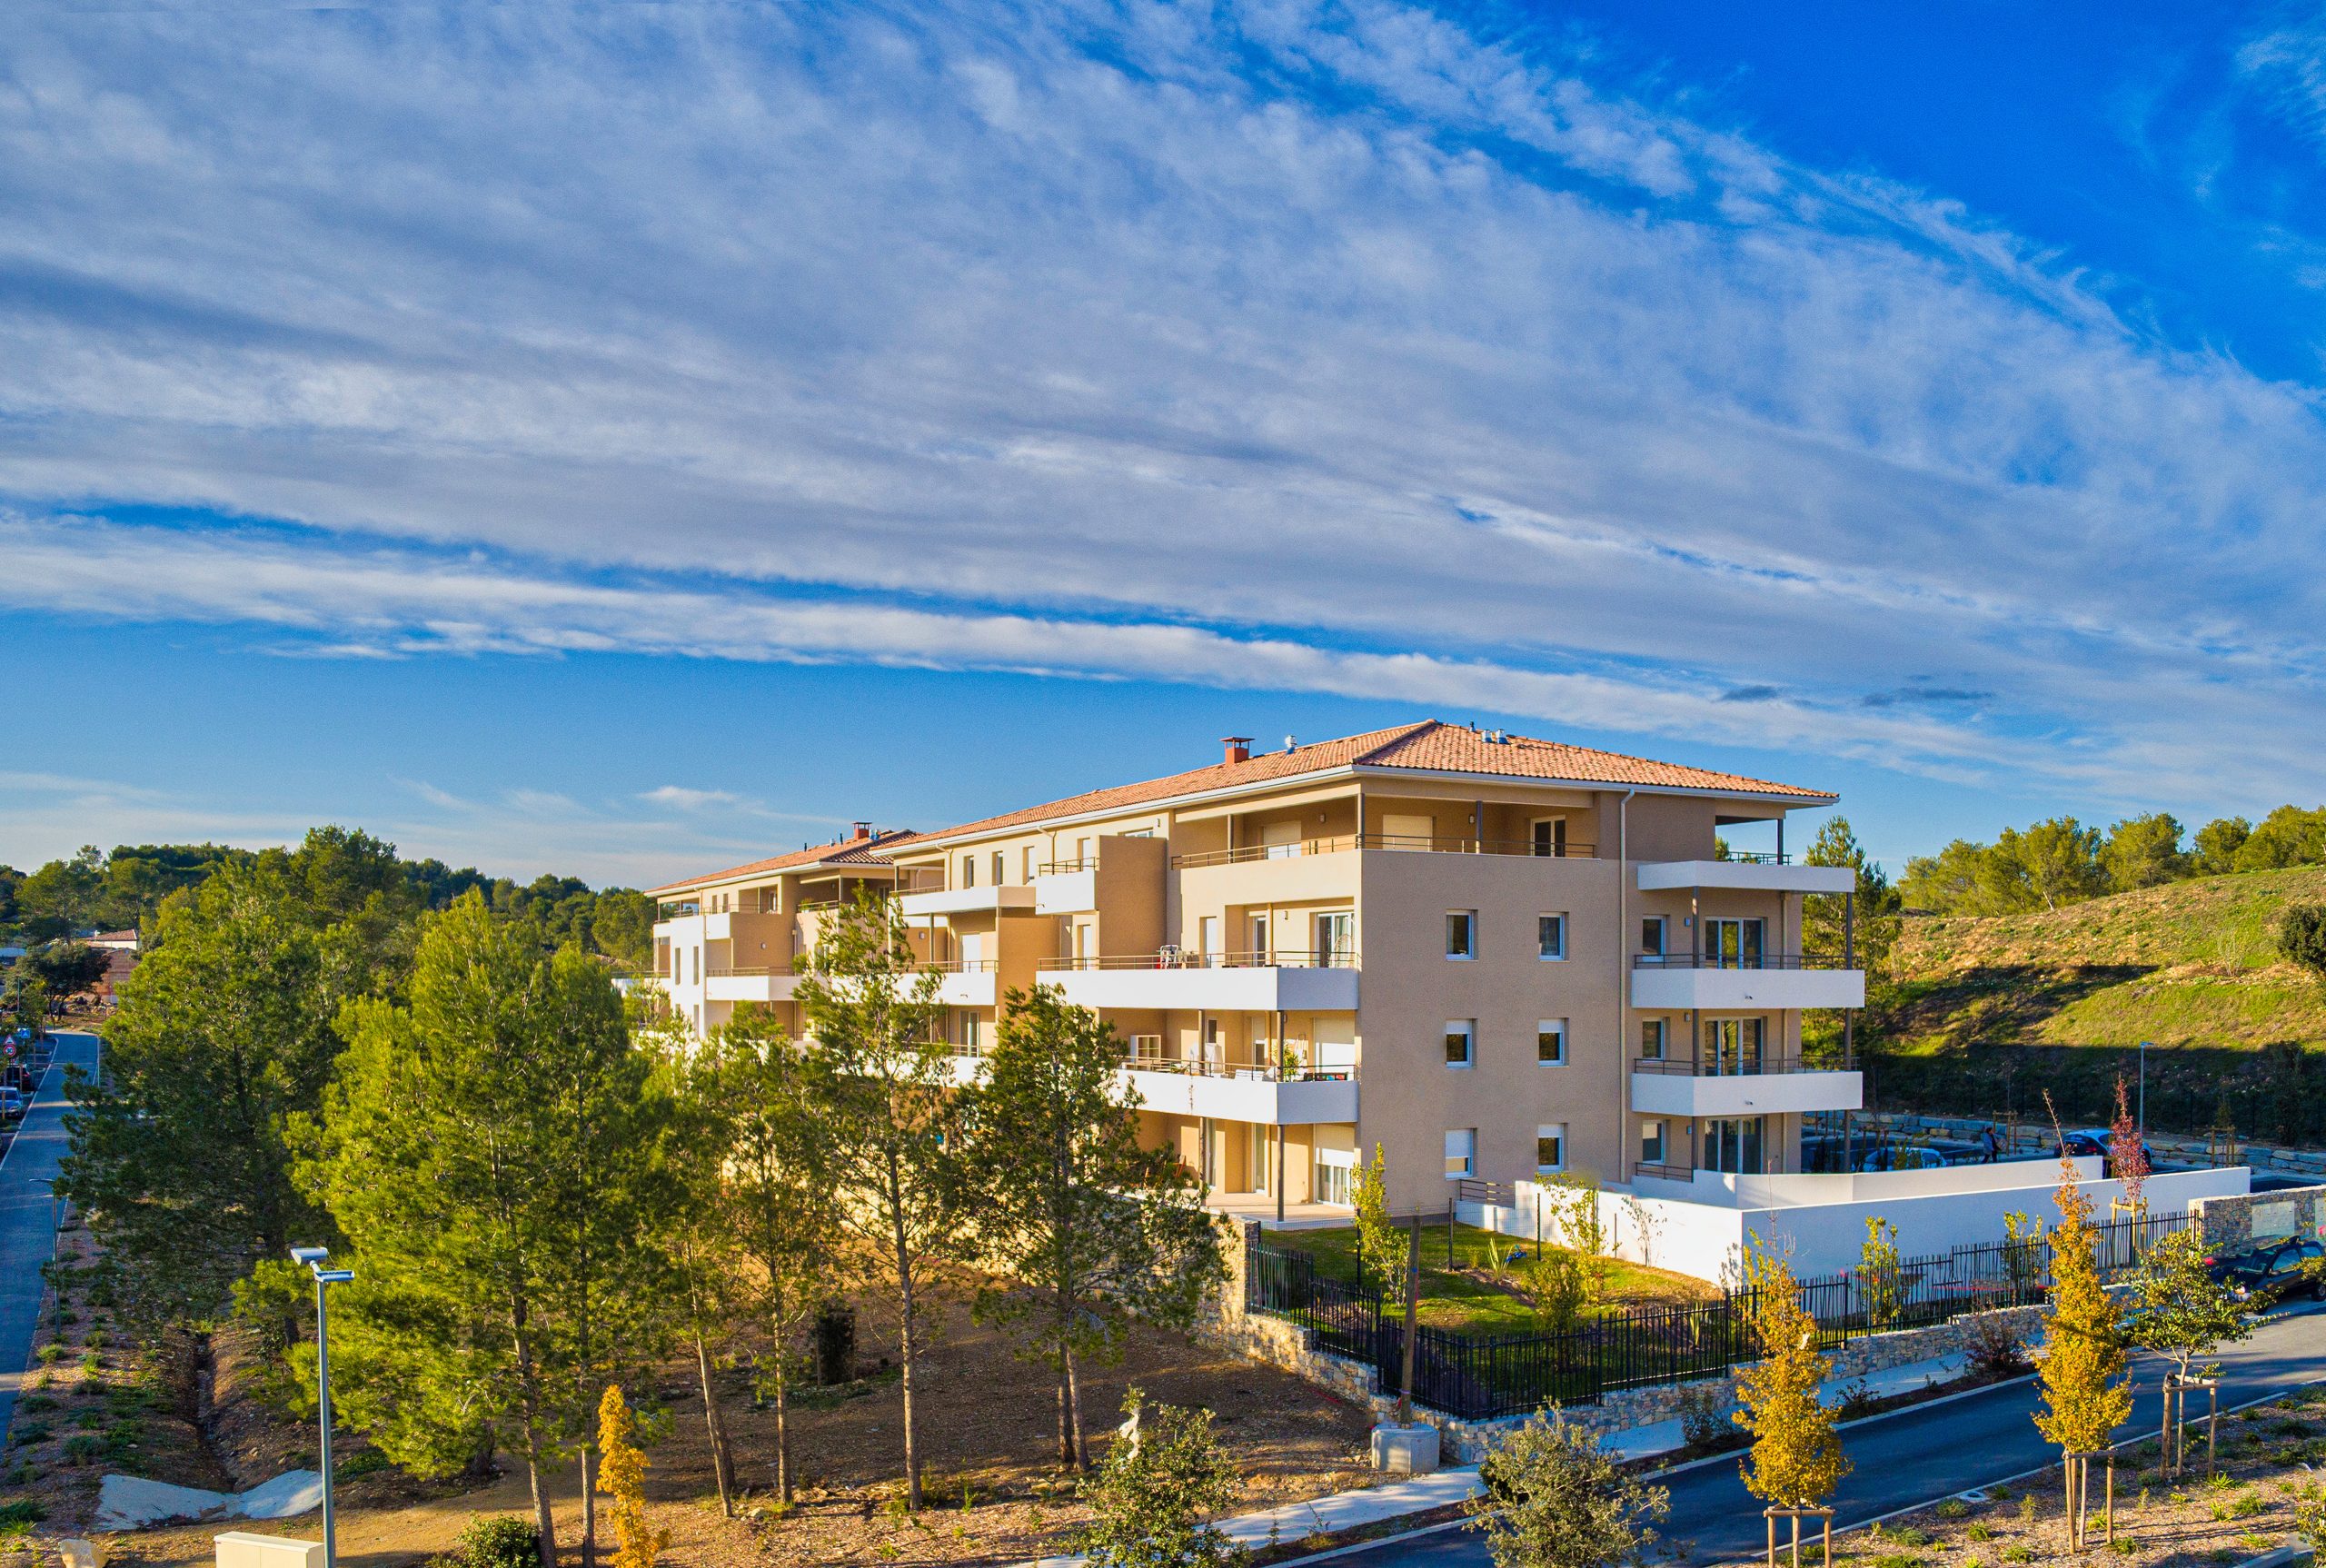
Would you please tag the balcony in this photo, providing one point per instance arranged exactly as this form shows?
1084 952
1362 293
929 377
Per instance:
1294 1097
1677 982
1066 887
762 984
1001 899
1766 1086
1751 874
1213 982
1522 848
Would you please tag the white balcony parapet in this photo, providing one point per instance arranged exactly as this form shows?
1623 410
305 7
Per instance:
1234 982
1002 899
1682 981
1749 876
749 985
1670 1089
1221 1093
1074 892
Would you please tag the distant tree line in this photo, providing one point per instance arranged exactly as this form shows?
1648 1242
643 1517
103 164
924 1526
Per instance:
2060 862
126 890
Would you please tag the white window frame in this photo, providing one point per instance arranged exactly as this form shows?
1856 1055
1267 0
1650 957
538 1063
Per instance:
969 870
1557 1027
1654 1127
1469 950
1557 925
1000 868
1147 1047
1464 1139
1467 1030
1554 1132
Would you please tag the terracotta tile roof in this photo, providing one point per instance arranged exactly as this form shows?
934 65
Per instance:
840 852
1430 745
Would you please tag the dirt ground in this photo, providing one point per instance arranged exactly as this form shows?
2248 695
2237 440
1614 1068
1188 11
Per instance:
987 1434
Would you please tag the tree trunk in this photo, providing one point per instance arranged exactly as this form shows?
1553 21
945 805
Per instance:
1065 1422
783 1427
529 1400
1074 1413
722 1465
588 1511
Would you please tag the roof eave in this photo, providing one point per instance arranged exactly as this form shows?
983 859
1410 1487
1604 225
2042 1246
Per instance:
1805 797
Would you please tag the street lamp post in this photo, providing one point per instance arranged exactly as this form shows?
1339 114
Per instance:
55 1235
315 1257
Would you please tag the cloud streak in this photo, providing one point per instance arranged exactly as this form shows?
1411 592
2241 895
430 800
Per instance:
1306 349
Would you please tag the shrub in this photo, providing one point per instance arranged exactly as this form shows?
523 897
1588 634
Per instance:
1700 1422
1996 1351
1952 1508
2125 1546
369 1461
2310 1523
1910 1536
84 1448
1980 1530
2017 1553
496 1540
1155 1497
28 1432
49 1354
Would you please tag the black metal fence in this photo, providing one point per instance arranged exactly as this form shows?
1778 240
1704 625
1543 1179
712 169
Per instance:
1480 1378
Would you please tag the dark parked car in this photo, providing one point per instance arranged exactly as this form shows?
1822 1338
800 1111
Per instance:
2094 1141
2275 1270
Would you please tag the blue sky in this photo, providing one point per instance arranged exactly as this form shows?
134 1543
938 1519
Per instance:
620 439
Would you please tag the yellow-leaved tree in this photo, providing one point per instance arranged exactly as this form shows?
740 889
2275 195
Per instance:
1796 1458
622 1472
2081 1368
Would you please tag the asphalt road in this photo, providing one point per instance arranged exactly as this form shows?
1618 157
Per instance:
26 1236
1914 1455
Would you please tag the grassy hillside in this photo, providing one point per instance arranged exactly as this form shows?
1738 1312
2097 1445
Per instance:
1987 1012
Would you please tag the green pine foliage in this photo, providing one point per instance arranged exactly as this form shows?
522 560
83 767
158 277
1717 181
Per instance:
1086 1231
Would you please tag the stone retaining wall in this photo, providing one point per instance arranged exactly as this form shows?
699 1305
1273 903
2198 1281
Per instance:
2229 1223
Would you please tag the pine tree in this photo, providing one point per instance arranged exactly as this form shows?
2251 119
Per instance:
623 1475
490 1153
1381 1246
1796 1459
1085 1229
879 1080
773 1196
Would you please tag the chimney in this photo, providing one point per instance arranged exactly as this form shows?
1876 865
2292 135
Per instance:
1239 748
863 829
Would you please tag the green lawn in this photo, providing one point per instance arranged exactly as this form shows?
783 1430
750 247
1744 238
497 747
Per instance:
1466 1299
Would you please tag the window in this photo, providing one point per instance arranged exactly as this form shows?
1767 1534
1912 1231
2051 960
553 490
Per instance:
1550 1042
1550 1147
1258 926
1550 836
1461 1152
1461 1040
1336 940
1734 1144
1732 1046
1651 1143
1651 935
1651 1039
1732 944
1550 935
1000 875
1211 1041
1147 1047
1026 863
970 1030
1332 1178
1207 938
969 870
1461 933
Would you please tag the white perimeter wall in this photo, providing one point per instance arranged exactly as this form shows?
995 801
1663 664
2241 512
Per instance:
1704 1239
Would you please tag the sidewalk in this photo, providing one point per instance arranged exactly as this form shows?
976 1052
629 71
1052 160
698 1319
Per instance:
1297 1522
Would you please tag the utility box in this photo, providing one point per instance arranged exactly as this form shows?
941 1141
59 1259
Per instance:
242 1549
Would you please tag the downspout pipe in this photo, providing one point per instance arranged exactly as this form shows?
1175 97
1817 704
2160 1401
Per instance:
1622 981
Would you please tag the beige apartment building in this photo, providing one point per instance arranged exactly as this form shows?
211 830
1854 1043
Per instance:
1494 957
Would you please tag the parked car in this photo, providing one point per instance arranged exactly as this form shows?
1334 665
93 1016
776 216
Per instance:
1823 1154
1958 1151
1901 1157
2275 1270
2095 1141
11 1104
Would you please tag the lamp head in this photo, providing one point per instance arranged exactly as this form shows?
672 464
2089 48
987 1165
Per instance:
310 1255
333 1275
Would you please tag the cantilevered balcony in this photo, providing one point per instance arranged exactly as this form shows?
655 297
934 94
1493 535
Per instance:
1763 982
1275 981
1289 1096
1751 1084
1746 873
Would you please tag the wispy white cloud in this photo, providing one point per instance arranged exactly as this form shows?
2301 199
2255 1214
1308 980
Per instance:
686 800
1318 349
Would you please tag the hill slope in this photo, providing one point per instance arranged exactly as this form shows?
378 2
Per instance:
2190 963
1988 1015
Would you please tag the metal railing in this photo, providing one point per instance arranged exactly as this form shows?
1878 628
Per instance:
1525 849
1483 1377
1753 1064
1256 1072
1738 961
953 966
1065 867
1757 857
1658 1171
1180 959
